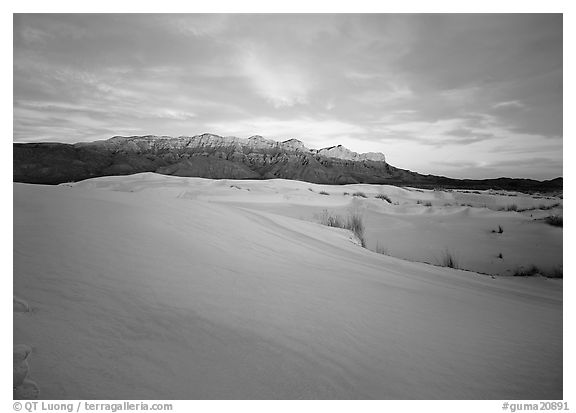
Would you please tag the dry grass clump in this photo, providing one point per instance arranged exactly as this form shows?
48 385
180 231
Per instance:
555 220
352 222
360 194
448 260
499 231
384 197
381 249
527 272
323 193
533 270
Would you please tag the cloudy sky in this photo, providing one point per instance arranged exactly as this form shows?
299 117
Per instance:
475 96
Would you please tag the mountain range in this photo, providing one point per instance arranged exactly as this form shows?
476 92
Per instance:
218 157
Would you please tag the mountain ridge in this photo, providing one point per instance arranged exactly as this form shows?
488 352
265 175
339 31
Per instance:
219 157
254 141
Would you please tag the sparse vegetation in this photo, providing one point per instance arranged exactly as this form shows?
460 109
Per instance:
555 220
428 204
448 260
511 207
352 222
500 256
555 273
499 231
360 194
533 270
527 272
381 250
542 207
384 197
356 225
323 193
346 193
551 206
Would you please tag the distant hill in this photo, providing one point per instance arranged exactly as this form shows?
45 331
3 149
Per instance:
218 157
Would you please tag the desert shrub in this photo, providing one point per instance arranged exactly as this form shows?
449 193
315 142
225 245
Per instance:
360 194
512 207
499 231
352 222
527 272
384 197
500 256
419 202
448 260
346 193
323 193
555 273
533 270
555 220
331 220
428 203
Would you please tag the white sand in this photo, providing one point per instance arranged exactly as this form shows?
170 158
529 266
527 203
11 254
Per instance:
151 287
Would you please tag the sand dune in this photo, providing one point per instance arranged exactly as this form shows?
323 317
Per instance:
150 287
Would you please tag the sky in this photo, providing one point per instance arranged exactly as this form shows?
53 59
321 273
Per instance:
459 95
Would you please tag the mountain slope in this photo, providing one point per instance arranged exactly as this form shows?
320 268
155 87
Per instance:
213 156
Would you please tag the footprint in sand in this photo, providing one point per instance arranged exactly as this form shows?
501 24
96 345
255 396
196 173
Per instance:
27 390
23 388
20 306
20 372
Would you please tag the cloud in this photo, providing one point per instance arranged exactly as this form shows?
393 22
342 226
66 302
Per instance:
313 132
466 136
515 104
197 25
419 88
280 83
446 132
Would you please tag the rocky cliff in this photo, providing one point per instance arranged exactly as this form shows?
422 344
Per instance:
219 157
